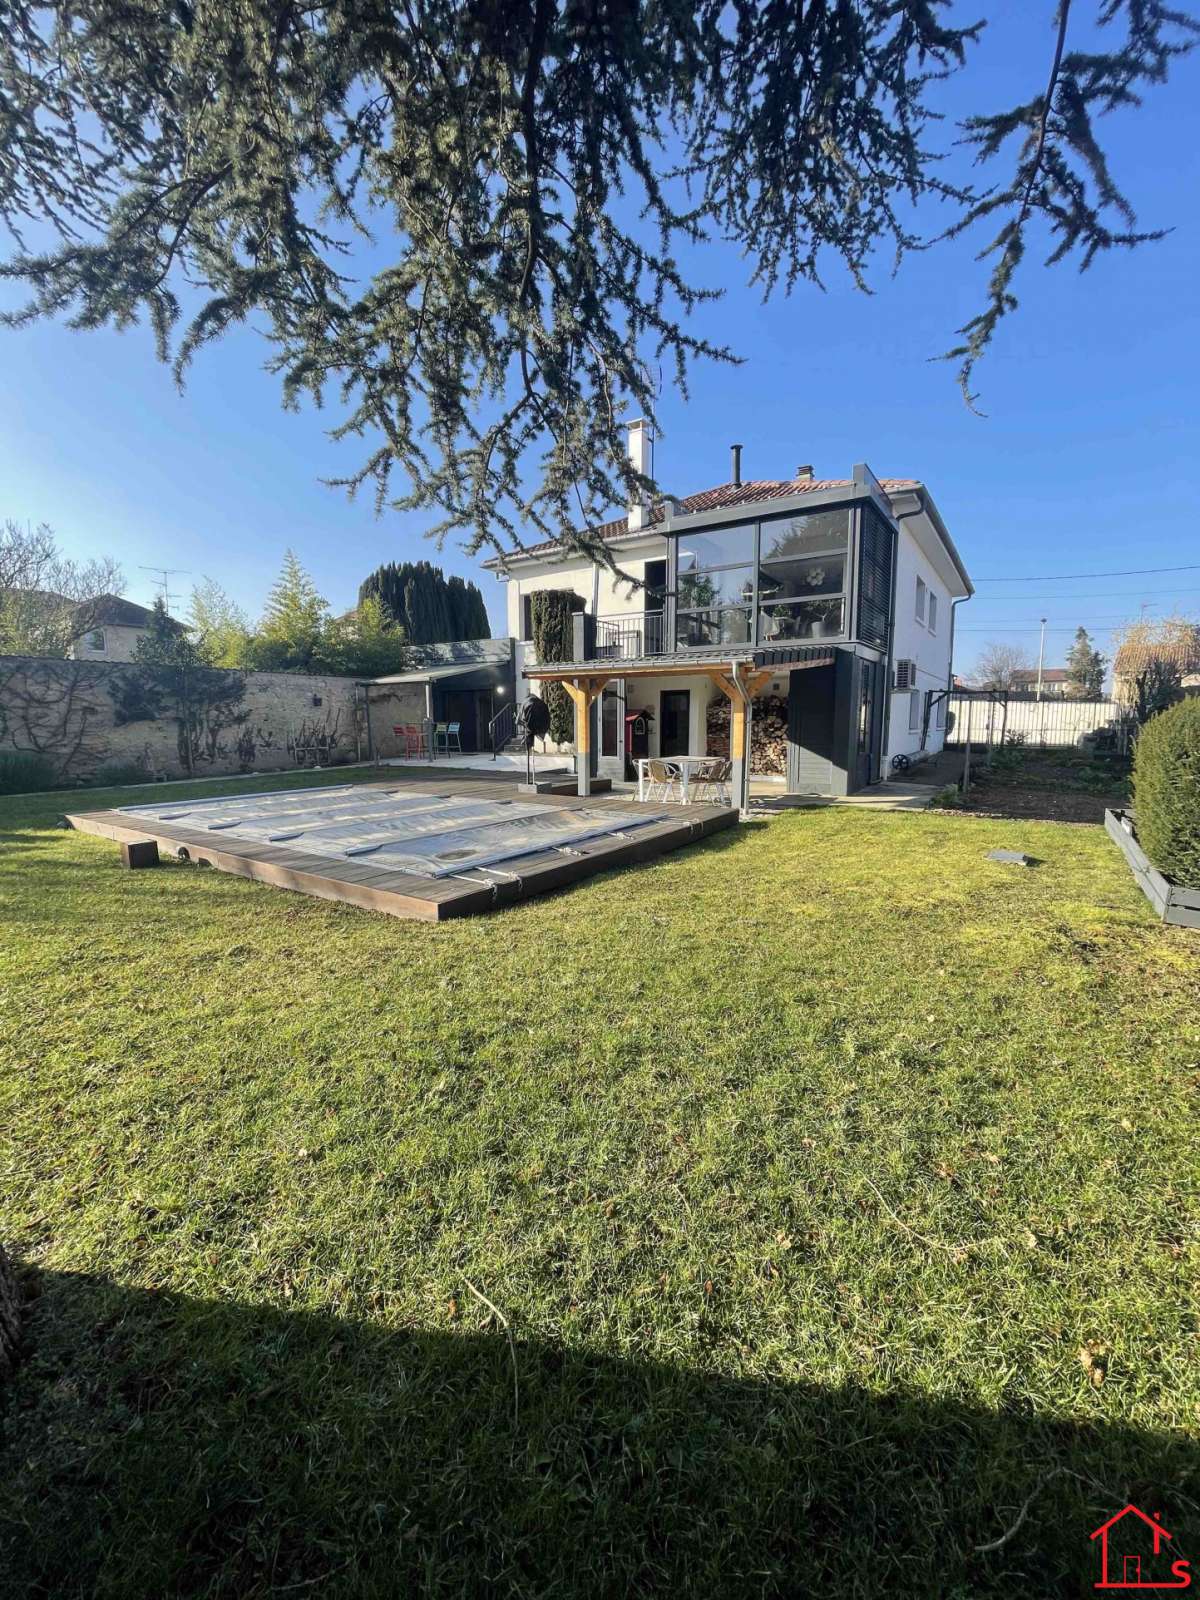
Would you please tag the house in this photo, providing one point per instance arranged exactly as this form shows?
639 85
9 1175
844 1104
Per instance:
1121 1567
1055 682
1182 653
827 601
114 627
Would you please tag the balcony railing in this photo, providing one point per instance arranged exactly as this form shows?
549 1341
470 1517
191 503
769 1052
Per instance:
635 634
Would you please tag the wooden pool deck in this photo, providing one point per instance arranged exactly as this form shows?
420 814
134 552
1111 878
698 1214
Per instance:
378 888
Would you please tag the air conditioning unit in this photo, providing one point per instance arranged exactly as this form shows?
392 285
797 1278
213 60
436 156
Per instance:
905 675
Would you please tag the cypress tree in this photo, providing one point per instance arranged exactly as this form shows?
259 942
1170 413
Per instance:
428 606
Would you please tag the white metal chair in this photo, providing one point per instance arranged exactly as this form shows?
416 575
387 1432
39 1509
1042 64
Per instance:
710 782
663 781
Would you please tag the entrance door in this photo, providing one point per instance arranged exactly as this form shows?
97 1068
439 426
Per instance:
674 722
458 705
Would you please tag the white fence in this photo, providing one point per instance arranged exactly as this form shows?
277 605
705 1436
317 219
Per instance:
982 720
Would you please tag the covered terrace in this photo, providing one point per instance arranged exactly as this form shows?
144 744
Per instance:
740 672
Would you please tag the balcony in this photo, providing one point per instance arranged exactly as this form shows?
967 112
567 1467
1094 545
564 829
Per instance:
625 637
636 635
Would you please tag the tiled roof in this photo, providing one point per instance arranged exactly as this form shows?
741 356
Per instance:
1183 653
112 611
722 497
1048 675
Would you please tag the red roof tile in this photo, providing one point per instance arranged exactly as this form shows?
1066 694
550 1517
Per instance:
723 497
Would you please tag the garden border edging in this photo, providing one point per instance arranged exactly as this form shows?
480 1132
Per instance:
1174 903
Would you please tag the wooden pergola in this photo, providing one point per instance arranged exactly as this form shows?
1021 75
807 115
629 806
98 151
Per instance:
740 676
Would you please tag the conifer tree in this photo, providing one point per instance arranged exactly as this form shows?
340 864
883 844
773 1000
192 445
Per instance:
289 638
1085 667
428 606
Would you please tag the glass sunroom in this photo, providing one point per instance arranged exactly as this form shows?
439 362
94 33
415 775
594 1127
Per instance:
794 599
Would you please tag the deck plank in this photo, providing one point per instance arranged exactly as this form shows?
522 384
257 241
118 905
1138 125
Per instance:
359 881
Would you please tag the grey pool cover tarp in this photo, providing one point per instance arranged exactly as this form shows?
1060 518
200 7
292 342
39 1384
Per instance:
428 835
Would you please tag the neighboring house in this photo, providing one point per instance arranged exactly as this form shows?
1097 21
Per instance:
833 596
114 628
1056 682
1133 659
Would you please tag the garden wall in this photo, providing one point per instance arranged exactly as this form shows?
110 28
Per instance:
81 713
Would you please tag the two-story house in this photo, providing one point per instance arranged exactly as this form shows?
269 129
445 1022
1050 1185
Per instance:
830 598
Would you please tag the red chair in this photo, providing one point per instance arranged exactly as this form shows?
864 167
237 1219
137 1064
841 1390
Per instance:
409 737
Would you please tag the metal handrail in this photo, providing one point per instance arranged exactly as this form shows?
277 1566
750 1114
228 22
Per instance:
502 728
634 634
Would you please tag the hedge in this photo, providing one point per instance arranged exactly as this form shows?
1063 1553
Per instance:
26 772
1166 791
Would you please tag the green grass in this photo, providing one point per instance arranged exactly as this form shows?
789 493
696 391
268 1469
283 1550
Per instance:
802 1165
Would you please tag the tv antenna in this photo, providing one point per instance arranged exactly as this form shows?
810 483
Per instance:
163 581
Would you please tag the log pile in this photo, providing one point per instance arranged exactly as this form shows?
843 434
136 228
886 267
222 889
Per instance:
768 733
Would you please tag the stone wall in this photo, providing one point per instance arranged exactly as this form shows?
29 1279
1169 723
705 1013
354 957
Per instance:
82 713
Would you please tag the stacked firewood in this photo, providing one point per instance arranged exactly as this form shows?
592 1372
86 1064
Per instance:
768 733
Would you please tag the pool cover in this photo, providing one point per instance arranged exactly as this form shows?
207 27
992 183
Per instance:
428 835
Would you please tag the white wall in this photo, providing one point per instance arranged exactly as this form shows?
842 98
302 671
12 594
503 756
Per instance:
916 641
119 644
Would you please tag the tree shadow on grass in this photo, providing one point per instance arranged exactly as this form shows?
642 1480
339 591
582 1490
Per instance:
154 1445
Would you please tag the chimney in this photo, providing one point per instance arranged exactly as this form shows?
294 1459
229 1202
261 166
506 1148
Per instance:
805 471
735 463
641 458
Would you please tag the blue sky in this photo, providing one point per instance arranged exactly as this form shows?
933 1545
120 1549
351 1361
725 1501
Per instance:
1086 461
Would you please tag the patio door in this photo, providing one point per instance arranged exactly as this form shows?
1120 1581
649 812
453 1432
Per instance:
458 705
674 722
868 725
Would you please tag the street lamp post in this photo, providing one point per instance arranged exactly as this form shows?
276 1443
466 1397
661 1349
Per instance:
1041 658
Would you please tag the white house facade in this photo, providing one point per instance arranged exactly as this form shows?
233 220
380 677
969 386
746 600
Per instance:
823 608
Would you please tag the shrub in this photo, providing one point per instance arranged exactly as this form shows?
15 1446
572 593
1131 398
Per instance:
1166 791
110 774
551 614
25 772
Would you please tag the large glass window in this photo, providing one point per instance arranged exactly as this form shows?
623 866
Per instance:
610 712
783 579
714 587
716 547
730 586
802 619
802 576
812 534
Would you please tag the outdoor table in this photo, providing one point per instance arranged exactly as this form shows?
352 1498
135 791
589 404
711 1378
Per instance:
684 766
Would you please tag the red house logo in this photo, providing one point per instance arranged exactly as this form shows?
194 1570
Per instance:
1121 1561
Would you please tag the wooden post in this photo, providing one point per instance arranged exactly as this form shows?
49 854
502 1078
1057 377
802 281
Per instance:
582 692
139 853
740 695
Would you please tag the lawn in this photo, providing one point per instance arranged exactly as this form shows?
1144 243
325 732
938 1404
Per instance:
834 1189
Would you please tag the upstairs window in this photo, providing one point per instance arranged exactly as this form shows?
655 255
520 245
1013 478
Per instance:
802 576
932 612
95 640
920 600
714 587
